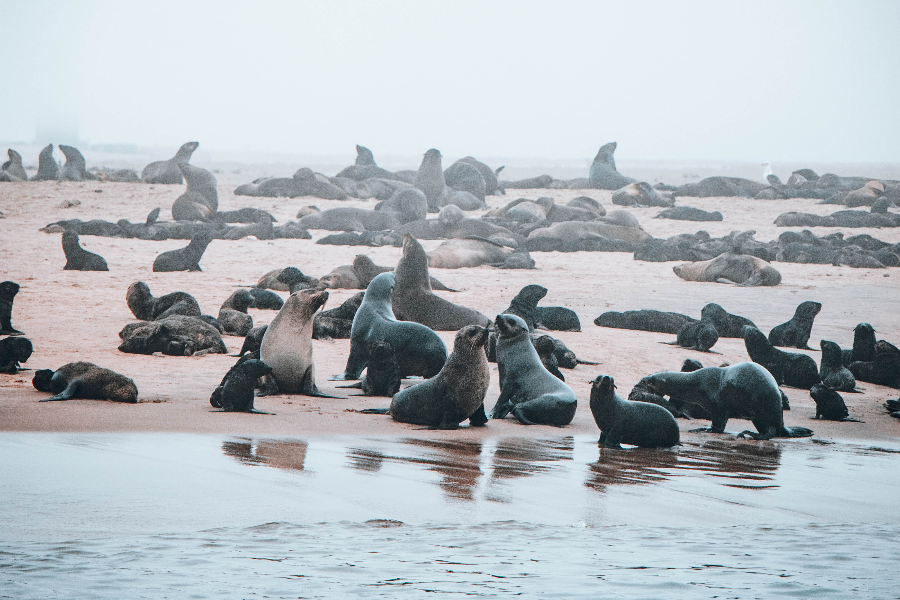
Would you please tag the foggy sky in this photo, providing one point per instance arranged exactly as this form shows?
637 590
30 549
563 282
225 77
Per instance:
815 81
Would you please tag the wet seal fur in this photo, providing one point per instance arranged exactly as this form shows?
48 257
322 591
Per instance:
184 259
635 423
382 376
287 345
795 333
743 390
236 392
419 349
700 336
788 368
86 381
527 389
863 345
14 350
147 308
829 404
835 375
414 300
8 291
79 259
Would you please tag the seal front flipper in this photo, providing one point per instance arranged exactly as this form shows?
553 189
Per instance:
478 418
66 394
259 412
375 411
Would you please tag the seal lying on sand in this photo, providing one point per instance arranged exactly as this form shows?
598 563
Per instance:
147 308
527 389
8 291
453 395
79 259
86 381
235 393
698 335
795 333
184 259
419 350
167 171
176 336
636 423
744 390
462 253
414 300
14 350
788 368
884 369
744 270
644 320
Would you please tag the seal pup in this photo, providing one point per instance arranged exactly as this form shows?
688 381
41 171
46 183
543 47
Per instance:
8 291
336 323
829 404
419 349
743 390
85 381
14 350
265 300
414 300
788 368
14 165
698 335
200 200
545 346
455 394
167 171
48 170
835 375
253 340
382 376
184 259
176 335
527 389
235 394
75 168
635 423
77 258
524 304
727 325
287 345
795 333
147 308
233 313
742 269
863 345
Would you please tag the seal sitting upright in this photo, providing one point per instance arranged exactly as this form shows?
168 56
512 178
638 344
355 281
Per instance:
8 291
167 171
636 423
419 350
527 389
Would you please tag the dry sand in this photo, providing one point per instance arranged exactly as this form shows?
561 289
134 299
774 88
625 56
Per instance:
72 316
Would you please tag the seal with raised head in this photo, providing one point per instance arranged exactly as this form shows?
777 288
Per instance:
48 170
727 325
527 389
788 368
75 168
14 165
167 171
77 258
626 422
236 392
287 345
14 350
795 333
200 200
863 345
414 300
184 259
86 381
524 304
603 174
147 308
233 313
419 349
430 180
8 291
382 376
742 391
835 375
456 393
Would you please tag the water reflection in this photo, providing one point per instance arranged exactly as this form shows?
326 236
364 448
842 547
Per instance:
281 454
741 465
518 457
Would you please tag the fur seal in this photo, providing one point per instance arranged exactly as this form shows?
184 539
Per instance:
545 346
176 335
835 375
14 165
462 253
184 259
557 318
603 174
48 170
414 300
287 345
863 345
79 259
644 320
527 389
635 423
200 200
727 325
640 194
382 376
348 218
265 300
689 213
698 335
419 350
86 381
297 279
75 168
235 394
675 405
456 393
253 340
430 180
407 205
744 270
795 333
884 369
167 171
788 368
829 404
742 391
571 231
14 350
524 304
467 178
147 308
337 322
8 291
233 313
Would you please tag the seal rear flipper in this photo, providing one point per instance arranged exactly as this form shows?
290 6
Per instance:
258 412
478 418
375 411
795 432
519 414
585 362
357 385
66 394
269 387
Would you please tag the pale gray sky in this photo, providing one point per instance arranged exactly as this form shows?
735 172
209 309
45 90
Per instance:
816 80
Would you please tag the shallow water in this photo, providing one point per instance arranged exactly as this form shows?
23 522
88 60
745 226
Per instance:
168 515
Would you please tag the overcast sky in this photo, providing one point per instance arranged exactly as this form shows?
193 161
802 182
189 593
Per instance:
817 81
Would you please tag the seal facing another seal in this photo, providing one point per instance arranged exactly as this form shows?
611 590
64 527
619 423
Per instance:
636 423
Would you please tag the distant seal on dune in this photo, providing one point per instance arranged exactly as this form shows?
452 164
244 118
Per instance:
184 259
795 333
14 165
200 200
79 259
635 423
603 174
414 300
86 381
75 168
167 171
419 349
742 269
48 170
147 308
743 390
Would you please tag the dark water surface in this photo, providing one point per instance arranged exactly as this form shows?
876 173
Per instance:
195 516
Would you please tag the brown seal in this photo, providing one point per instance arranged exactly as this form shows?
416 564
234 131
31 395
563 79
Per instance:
87 381
742 269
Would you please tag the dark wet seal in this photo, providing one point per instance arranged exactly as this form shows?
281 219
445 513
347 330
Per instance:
281 454
740 465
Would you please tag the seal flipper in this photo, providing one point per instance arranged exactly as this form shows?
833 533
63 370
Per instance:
308 387
478 418
375 411
66 394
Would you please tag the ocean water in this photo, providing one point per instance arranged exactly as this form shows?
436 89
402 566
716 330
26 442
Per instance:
197 516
